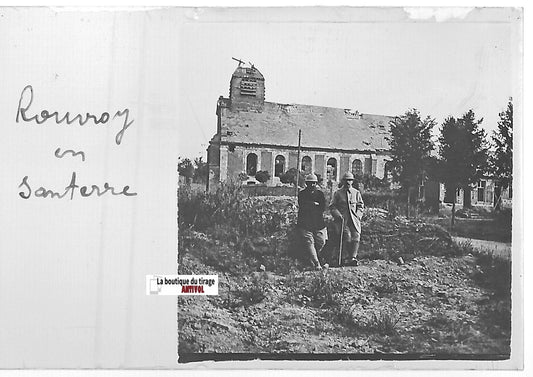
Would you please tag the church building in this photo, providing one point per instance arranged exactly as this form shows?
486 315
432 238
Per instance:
254 135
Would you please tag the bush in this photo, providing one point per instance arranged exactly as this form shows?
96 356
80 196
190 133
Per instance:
383 199
262 176
385 320
388 239
255 290
495 274
290 177
229 206
371 182
464 247
202 210
323 290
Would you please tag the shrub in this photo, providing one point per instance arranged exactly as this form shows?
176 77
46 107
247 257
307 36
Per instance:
290 177
322 289
346 315
202 210
226 251
387 239
385 320
230 206
255 290
495 274
262 176
371 182
464 247
380 199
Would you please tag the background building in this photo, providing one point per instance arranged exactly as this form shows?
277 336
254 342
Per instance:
254 135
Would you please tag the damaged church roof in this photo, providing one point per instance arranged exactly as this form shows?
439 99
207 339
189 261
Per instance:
322 127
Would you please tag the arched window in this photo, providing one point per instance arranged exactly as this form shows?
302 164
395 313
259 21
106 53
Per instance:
279 166
307 167
357 167
388 171
251 164
332 169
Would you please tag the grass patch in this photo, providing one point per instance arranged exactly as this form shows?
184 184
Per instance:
322 289
491 227
255 290
494 274
382 320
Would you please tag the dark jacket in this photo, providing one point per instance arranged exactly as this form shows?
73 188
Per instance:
310 214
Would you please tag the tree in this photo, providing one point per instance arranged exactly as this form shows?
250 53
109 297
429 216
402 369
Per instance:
201 170
501 161
185 168
463 154
411 145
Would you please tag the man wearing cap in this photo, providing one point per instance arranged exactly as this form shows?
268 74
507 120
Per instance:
311 207
347 208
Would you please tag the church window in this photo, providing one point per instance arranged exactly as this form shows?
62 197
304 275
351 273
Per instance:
251 164
307 165
279 166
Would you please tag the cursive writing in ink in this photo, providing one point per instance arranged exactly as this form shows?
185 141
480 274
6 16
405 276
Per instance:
45 115
60 154
84 191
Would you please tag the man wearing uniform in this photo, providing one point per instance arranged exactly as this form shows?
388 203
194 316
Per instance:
311 207
347 209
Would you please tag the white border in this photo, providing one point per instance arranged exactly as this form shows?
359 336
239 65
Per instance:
524 159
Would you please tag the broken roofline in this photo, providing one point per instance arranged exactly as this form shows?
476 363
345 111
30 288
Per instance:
303 148
226 102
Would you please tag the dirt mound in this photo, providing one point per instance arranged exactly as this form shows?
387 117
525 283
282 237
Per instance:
238 250
441 300
429 305
390 239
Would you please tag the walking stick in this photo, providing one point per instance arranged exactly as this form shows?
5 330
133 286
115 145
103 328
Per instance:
340 242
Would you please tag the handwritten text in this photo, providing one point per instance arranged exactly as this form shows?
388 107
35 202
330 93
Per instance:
84 191
45 115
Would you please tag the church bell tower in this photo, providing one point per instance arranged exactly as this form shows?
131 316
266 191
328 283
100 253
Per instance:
247 88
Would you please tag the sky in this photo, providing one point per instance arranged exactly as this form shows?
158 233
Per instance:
385 67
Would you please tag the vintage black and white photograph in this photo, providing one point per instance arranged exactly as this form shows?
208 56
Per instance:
277 187
348 175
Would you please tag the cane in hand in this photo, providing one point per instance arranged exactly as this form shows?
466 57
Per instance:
340 242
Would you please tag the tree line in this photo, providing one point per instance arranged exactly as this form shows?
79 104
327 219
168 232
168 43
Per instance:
193 171
465 153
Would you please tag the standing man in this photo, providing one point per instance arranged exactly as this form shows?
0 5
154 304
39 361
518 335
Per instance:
347 204
311 207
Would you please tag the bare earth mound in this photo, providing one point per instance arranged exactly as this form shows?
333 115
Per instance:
444 300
